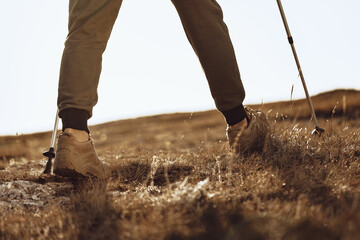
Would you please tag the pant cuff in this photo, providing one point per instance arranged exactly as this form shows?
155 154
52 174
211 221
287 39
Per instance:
74 118
234 115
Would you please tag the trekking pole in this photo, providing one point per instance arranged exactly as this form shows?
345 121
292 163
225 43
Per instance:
318 130
50 154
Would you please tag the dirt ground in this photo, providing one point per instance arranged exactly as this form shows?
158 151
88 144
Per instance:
175 177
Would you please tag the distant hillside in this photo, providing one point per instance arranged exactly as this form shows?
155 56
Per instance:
337 103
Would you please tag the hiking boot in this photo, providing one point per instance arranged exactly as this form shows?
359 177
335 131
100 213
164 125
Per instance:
249 139
75 159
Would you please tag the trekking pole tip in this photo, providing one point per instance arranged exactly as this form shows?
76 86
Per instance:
50 154
317 131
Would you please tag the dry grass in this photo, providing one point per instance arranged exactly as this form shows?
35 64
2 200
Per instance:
174 177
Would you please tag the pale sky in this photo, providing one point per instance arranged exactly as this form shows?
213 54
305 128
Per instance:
150 68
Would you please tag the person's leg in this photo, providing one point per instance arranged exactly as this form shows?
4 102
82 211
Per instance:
208 34
90 25
209 37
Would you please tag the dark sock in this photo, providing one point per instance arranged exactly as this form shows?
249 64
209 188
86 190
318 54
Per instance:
74 118
235 115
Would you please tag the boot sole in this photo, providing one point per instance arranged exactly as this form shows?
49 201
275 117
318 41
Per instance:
70 173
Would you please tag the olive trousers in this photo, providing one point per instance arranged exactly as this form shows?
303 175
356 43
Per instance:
90 26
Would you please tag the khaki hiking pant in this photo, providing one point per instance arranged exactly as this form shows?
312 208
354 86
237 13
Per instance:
90 25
